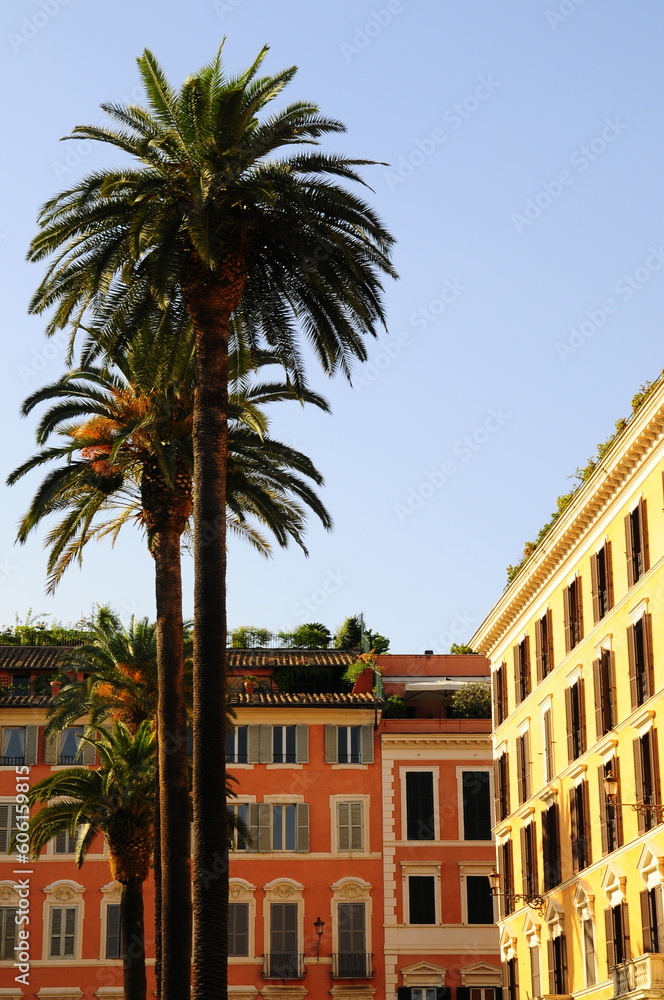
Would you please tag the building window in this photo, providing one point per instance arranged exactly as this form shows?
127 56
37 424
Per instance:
7 931
288 824
652 920
547 726
113 931
506 863
502 783
646 778
551 847
601 576
604 673
499 681
8 827
283 745
351 960
425 992
479 899
610 813
476 805
284 960
617 935
544 646
420 822
64 842
62 932
241 826
510 980
529 865
522 669
238 930
421 899
535 973
350 826
523 766
69 741
580 818
271 744
237 745
573 610
349 744
588 933
557 953
13 745
576 720
639 651
636 536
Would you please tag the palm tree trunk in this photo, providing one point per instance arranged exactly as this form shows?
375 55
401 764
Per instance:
156 868
133 940
210 864
173 767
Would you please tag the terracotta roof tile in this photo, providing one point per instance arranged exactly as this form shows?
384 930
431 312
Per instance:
241 658
30 657
285 699
8 700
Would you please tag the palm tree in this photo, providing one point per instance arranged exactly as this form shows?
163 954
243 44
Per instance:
125 437
218 209
116 799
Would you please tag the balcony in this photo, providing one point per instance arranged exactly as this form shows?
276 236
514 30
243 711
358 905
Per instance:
644 975
12 761
283 966
348 965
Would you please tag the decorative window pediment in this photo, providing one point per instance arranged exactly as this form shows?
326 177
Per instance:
507 947
531 932
583 903
424 974
241 891
283 889
480 974
64 891
8 895
555 918
351 888
613 884
651 864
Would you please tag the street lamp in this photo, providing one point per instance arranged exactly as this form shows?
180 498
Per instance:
655 809
318 927
533 900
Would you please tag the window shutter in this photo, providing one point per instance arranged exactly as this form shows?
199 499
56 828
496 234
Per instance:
579 609
51 748
567 612
60 842
253 744
570 729
520 777
647 648
629 550
343 826
610 945
264 826
599 701
525 665
659 916
574 823
301 744
443 992
638 783
88 752
631 656
549 640
624 921
463 993
608 564
548 745
302 811
253 825
603 818
612 688
356 826
518 691
331 749
497 811
581 695
618 809
524 861
113 944
539 648
646 926
594 586
367 745
403 993
563 964
5 825
551 958
645 546
585 833
654 749
495 707
503 689
265 745
526 764
31 739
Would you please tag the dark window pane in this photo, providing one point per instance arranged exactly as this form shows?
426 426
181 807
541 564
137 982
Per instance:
419 806
480 900
422 899
476 805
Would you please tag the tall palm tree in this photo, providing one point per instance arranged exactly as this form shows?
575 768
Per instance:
218 208
125 437
116 799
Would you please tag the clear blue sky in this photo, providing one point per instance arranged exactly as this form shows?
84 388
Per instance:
525 191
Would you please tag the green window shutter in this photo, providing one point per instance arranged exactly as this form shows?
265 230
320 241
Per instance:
253 744
265 743
343 826
367 745
253 824
645 546
31 741
6 816
88 752
51 749
113 942
301 744
356 826
264 827
302 812
331 752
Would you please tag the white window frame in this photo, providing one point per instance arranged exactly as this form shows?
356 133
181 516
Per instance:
111 896
61 894
283 890
435 771
242 891
421 869
6 800
352 889
9 899
473 868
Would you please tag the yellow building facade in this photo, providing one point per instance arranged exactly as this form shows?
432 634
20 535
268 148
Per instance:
576 645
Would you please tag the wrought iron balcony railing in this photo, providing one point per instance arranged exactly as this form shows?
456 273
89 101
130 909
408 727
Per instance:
352 965
287 965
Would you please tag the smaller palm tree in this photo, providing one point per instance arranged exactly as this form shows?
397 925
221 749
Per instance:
117 800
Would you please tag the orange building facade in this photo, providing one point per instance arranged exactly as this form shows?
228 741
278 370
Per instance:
370 840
